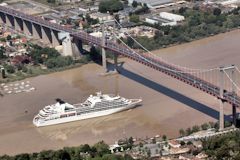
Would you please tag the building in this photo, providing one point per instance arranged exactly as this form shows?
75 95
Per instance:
101 16
174 144
171 17
165 19
153 4
159 20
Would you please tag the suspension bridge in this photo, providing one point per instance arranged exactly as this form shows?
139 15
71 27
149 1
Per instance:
220 82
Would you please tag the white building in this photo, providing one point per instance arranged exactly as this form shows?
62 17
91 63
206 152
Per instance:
165 19
171 17
158 20
152 4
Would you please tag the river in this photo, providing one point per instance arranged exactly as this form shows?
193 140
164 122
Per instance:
167 106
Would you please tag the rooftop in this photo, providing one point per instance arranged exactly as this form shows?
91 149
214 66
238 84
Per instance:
152 3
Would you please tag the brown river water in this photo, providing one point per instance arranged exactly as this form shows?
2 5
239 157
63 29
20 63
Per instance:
167 106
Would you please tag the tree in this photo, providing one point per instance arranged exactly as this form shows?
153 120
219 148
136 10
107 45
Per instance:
51 1
130 42
125 1
110 5
154 140
217 11
134 18
102 148
211 124
188 131
134 4
227 124
142 10
158 34
40 55
164 137
195 128
189 143
182 10
148 153
2 53
9 37
85 148
204 126
130 141
182 132
182 143
117 18
24 156
9 68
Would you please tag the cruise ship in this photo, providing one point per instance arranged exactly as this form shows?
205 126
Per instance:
95 106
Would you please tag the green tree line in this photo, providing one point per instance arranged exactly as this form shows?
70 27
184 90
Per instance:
99 151
198 24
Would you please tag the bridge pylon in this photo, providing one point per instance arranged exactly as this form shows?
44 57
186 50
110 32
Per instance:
234 113
221 96
104 58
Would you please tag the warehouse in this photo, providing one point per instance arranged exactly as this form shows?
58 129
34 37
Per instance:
152 4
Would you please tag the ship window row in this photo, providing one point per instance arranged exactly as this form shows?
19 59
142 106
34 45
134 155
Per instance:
112 103
62 116
98 106
98 109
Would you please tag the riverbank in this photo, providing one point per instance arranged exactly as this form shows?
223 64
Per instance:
165 100
33 71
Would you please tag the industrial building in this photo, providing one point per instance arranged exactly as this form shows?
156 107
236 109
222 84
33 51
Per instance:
152 3
156 4
165 18
171 16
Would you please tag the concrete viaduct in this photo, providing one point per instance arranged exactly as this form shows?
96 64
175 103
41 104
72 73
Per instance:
39 28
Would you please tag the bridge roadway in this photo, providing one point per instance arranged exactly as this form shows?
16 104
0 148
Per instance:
143 58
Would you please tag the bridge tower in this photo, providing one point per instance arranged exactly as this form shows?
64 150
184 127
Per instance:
234 113
221 97
104 58
221 111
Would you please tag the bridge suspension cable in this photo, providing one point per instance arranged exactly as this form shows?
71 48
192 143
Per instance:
237 87
237 69
168 69
145 49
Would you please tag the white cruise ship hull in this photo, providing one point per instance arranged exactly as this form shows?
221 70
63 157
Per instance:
85 116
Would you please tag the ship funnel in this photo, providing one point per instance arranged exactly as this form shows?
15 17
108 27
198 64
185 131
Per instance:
60 101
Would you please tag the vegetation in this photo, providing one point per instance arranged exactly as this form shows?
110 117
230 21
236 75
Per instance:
40 57
99 151
134 4
91 21
223 147
110 6
164 137
142 10
2 53
50 57
198 24
204 126
197 128
134 18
